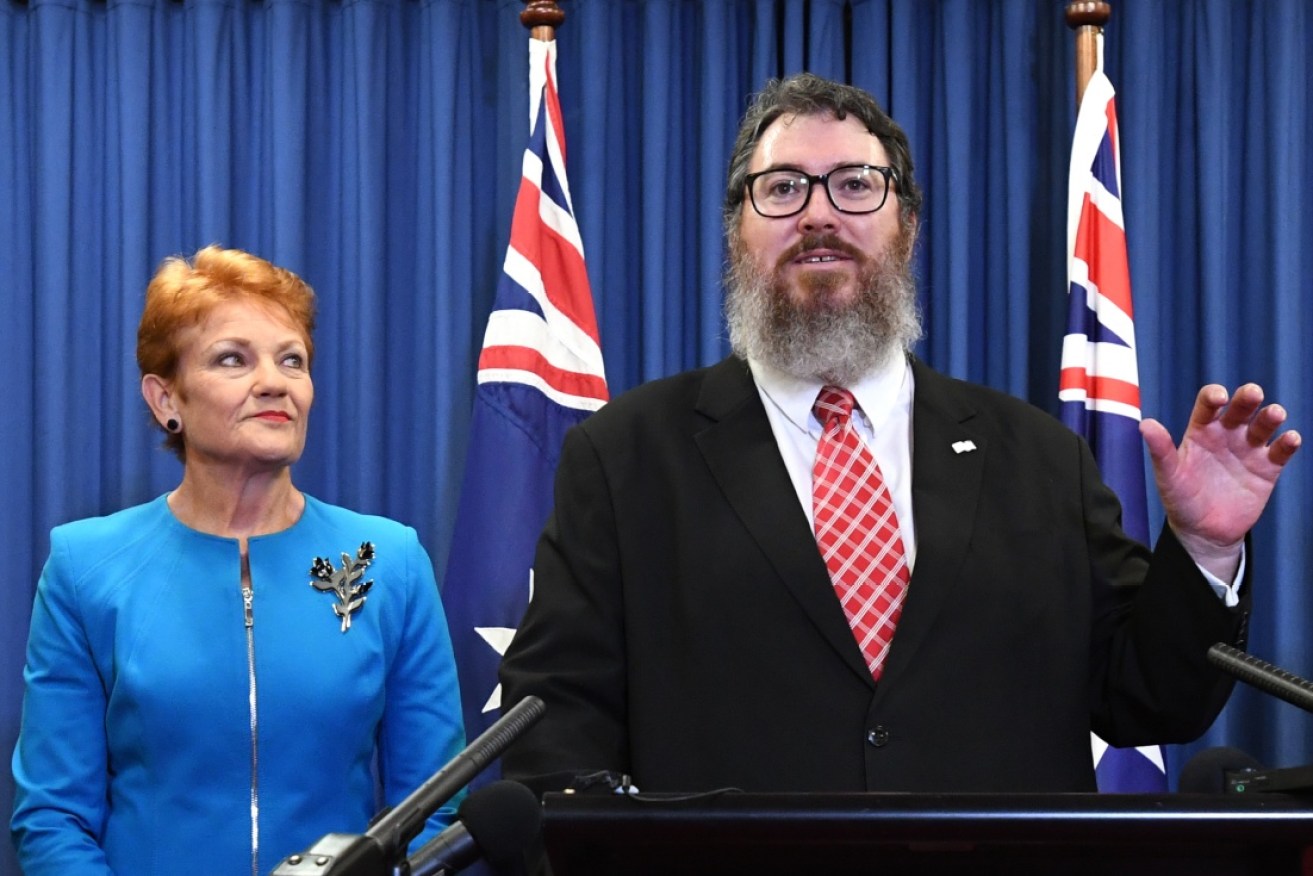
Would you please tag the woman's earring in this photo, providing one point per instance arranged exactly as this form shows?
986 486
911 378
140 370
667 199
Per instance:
173 426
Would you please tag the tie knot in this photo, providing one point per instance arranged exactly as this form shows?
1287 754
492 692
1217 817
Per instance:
833 402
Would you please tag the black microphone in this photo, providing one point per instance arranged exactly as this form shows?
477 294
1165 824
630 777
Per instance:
1263 675
397 828
1210 771
384 842
496 822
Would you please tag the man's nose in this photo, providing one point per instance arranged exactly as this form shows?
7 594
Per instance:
819 214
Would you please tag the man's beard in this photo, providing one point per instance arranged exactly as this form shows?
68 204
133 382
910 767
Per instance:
819 337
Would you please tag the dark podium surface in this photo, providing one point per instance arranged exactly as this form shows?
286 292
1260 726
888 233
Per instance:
931 834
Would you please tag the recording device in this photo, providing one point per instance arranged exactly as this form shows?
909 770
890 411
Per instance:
1232 771
383 844
1210 771
1262 675
496 823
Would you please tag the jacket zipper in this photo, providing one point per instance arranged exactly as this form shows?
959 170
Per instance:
248 600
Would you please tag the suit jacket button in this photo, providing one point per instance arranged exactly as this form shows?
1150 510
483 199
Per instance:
878 736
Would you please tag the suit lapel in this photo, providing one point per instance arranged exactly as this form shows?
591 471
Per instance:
740 450
948 458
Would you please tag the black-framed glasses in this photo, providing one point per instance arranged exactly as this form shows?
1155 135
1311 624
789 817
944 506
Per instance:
853 188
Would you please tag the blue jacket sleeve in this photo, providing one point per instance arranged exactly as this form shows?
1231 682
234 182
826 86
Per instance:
422 723
60 760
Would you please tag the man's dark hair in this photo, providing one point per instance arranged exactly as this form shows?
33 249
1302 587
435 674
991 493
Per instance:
806 94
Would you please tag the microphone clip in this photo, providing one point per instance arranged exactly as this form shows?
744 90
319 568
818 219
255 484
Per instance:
336 853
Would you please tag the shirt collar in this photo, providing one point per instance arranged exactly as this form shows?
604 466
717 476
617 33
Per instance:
877 393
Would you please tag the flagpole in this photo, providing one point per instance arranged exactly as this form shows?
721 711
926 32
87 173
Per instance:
1087 18
542 17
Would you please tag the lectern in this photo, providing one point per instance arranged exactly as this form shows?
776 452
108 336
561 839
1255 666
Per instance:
930 834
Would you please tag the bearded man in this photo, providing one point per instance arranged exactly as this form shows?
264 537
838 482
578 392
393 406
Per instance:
819 565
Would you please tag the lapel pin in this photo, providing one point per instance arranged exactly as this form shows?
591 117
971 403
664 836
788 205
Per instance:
963 446
344 582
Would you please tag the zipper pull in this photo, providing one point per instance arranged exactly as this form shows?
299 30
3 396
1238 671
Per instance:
248 597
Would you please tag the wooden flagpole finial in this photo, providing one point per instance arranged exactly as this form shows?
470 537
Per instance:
1087 18
542 17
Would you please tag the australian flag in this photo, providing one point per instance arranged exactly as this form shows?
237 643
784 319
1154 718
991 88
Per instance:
540 372
1100 383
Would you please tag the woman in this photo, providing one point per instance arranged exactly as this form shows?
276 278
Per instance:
211 675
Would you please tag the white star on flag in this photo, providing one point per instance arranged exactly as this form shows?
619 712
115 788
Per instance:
500 639
1153 753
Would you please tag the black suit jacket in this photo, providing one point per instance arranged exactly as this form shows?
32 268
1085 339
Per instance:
684 630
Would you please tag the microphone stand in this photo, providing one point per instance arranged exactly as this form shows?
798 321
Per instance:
381 849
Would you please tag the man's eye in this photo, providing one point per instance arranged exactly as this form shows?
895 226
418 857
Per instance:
784 188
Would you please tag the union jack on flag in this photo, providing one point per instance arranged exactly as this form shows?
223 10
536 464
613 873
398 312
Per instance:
540 372
1100 383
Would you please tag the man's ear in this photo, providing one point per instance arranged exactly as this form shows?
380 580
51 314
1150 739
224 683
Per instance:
159 396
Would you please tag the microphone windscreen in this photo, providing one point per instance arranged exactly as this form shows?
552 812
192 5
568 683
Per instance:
1205 773
503 817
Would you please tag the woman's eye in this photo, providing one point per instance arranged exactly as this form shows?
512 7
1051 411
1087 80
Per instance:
294 360
230 360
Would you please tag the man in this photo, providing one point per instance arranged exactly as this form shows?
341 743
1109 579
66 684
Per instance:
710 611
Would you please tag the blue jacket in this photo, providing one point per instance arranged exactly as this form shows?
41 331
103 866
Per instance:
140 751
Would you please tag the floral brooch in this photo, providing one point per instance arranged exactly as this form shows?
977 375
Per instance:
343 582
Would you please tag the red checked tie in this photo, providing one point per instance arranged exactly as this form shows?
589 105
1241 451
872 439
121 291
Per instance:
857 529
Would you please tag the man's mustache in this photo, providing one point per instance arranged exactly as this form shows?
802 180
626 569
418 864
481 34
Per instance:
820 241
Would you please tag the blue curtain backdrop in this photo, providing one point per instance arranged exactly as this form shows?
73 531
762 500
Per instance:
374 147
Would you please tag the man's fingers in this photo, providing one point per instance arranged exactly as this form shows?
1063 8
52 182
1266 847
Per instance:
1265 424
1244 404
1284 447
1211 399
1162 450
